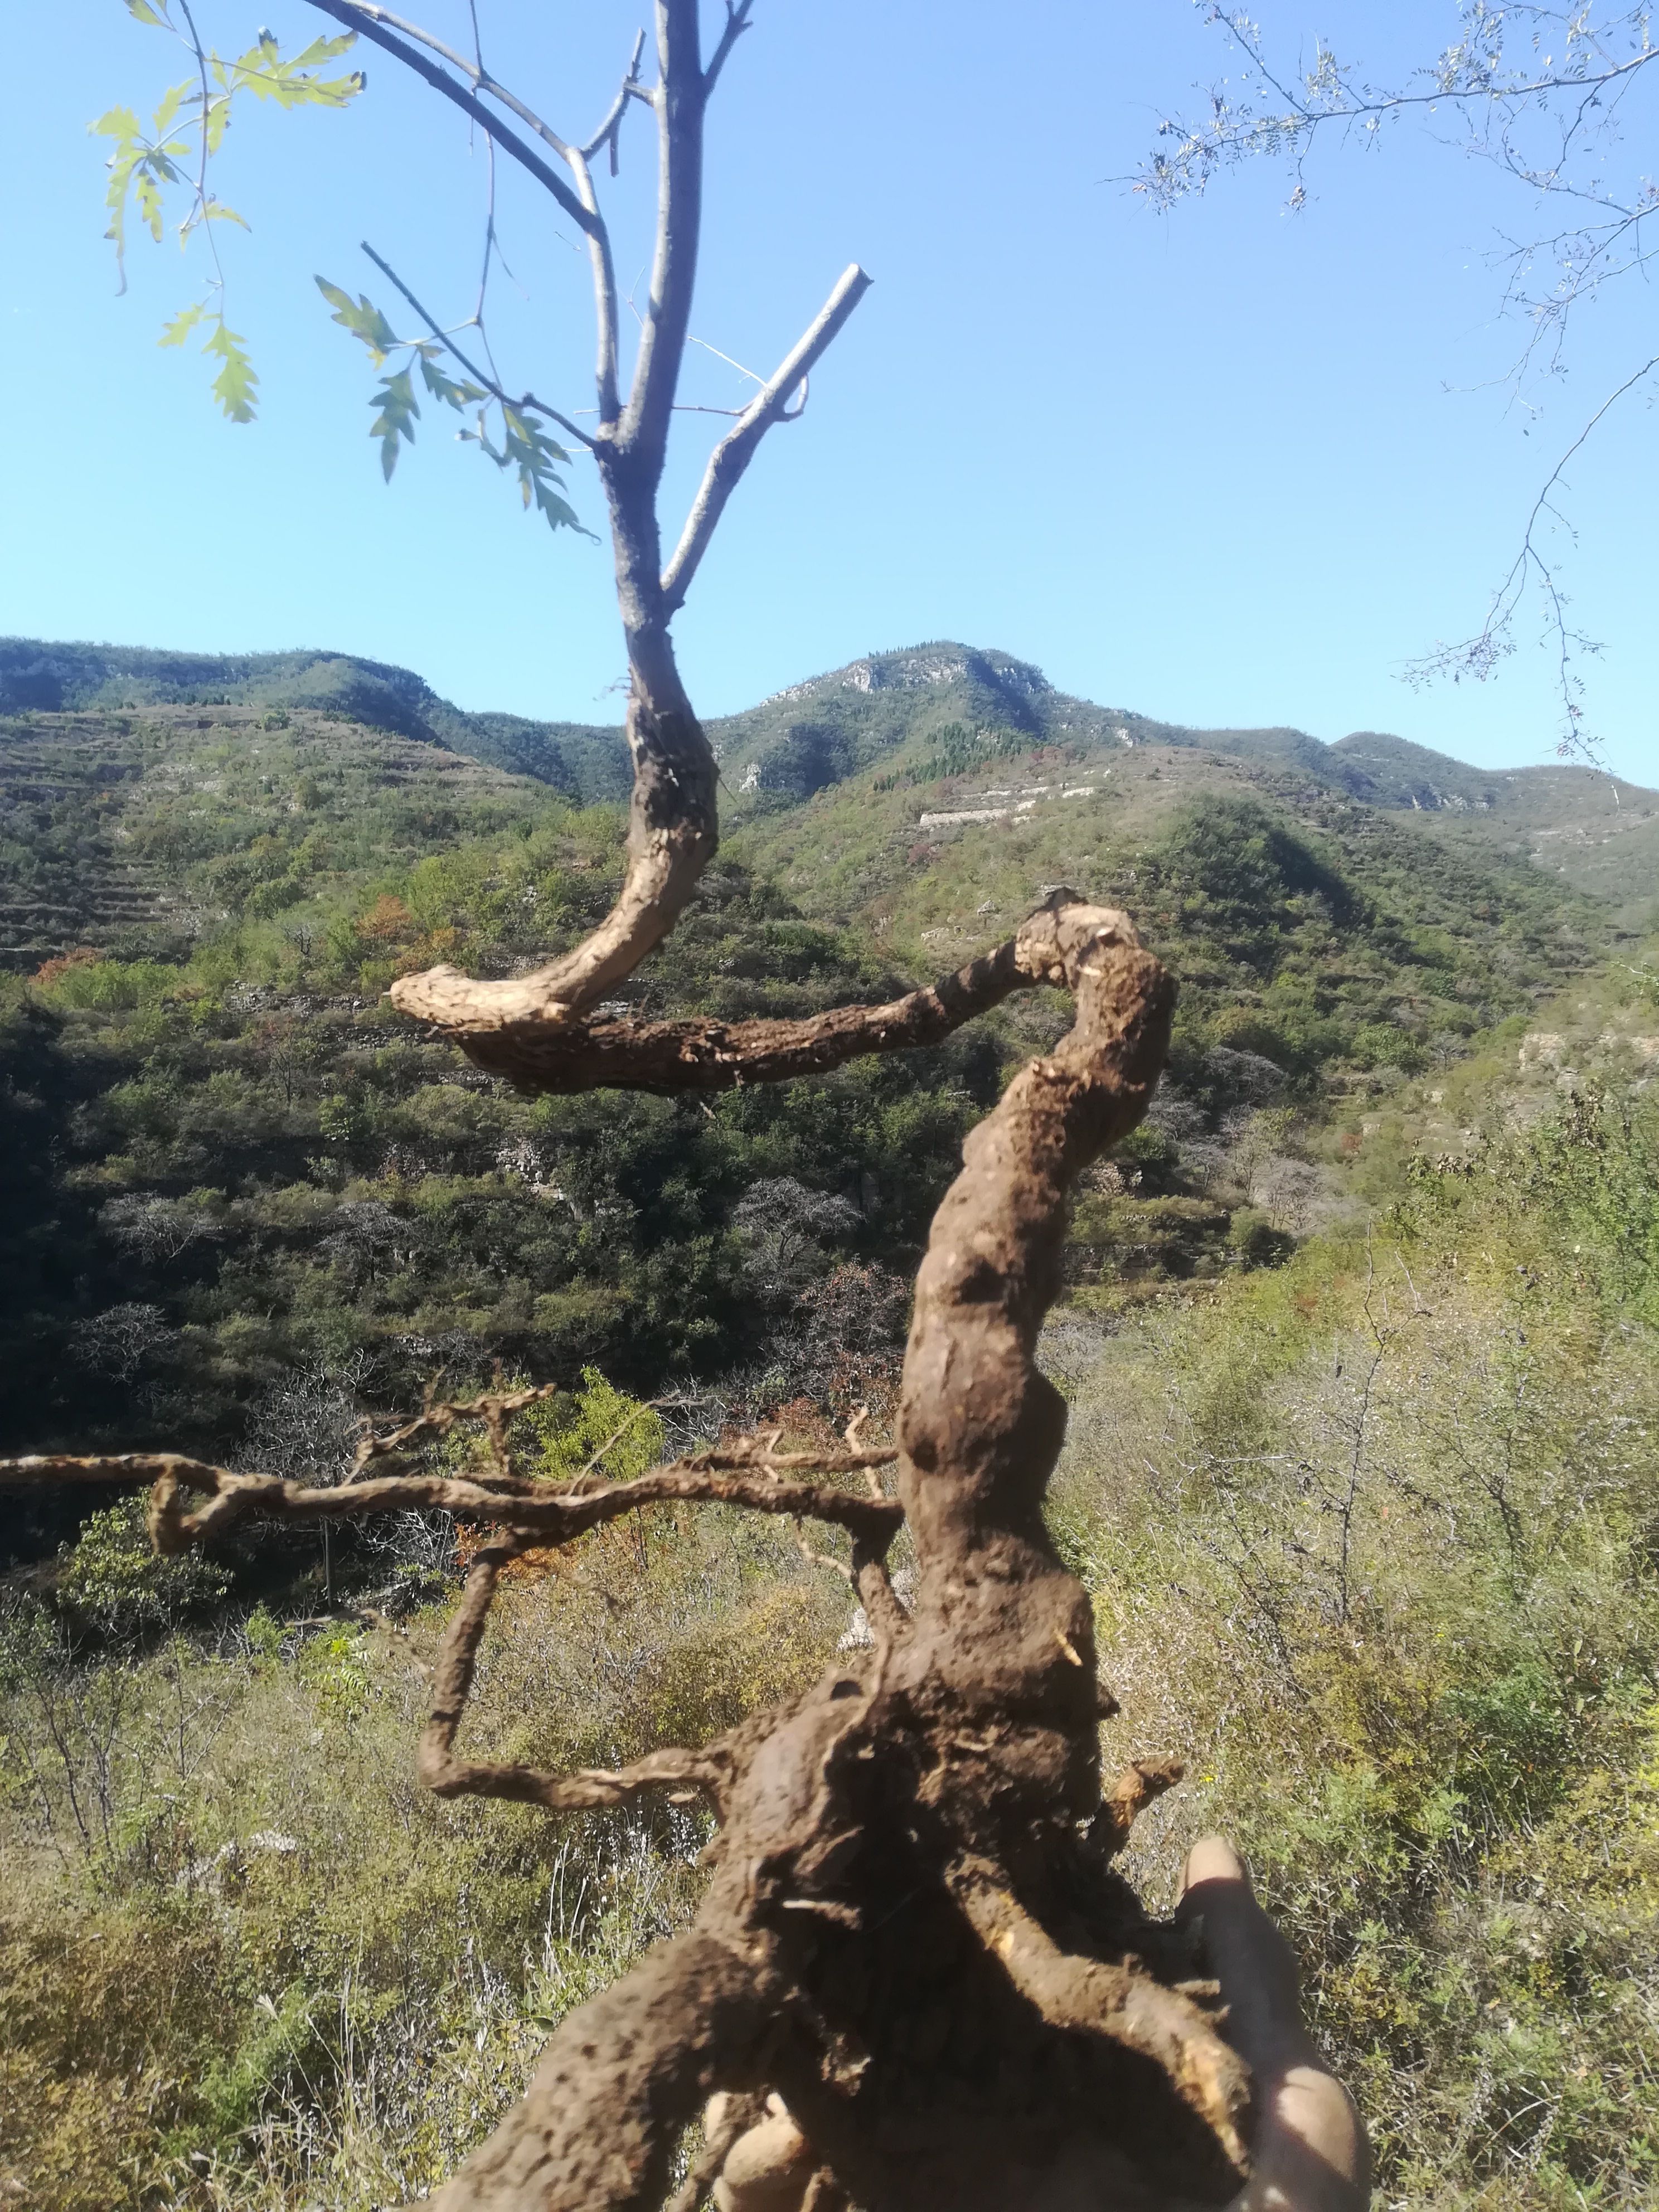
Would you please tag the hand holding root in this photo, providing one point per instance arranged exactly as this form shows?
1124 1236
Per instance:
912 1937
1310 2153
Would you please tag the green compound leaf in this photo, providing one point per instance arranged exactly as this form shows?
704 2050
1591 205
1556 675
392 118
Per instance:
399 410
464 394
362 318
234 386
527 448
294 82
199 112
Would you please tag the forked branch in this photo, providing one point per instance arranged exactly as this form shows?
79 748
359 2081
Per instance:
673 828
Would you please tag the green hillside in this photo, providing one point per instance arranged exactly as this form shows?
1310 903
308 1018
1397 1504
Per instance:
926 715
1357 1339
589 762
231 1166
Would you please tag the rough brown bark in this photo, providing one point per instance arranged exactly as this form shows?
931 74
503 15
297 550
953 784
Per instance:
623 2078
672 838
550 1515
912 1933
513 1033
965 1998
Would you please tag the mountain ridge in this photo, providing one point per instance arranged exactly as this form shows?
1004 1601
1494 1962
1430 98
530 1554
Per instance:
70 675
934 713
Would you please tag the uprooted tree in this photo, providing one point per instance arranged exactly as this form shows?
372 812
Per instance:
912 1935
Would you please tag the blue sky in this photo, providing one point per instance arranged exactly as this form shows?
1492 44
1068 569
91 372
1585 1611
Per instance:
1207 466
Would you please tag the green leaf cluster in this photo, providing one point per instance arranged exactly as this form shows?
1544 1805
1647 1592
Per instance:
186 130
522 444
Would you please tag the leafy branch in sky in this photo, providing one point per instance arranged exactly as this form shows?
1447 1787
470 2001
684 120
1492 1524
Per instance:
175 154
186 130
522 443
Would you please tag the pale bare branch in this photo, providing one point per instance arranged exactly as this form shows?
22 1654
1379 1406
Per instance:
679 110
598 239
629 91
735 450
481 77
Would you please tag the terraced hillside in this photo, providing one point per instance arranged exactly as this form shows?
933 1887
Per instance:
97 811
64 879
587 763
926 715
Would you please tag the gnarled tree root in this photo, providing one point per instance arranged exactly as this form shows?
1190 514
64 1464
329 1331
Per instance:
959 1996
912 1934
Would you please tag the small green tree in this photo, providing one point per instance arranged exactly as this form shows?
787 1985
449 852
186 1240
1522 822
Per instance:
113 1581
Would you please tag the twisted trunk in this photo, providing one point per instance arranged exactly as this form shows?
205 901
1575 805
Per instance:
964 2004
672 834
